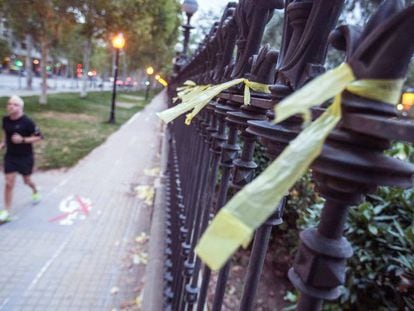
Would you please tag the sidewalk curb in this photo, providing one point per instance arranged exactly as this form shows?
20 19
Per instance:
154 284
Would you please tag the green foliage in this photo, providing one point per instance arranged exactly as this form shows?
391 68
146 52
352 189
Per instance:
150 28
260 158
202 22
94 16
274 31
151 31
285 237
410 76
101 58
402 151
69 39
44 20
360 10
382 269
381 231
4 48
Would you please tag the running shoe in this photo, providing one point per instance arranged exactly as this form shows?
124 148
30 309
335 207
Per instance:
4 216
36 198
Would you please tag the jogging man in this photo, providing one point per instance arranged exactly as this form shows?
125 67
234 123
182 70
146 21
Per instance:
20 132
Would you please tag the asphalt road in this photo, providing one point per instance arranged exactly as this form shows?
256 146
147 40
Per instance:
13 84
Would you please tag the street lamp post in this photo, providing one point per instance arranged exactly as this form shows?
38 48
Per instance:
19 65
147 87
189 7
118 43
150 71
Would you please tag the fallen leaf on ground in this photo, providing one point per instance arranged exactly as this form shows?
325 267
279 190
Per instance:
152 172
114 290
138 300
145 193
139 287
142 238
140 258
127 304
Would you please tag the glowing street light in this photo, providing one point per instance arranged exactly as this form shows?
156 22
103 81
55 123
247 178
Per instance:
408 99
150 70
118 42
161 80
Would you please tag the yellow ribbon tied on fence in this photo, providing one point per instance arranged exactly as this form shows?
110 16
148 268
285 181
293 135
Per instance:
254 204
196 97
183 91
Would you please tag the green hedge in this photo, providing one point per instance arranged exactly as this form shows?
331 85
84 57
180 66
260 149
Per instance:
380 275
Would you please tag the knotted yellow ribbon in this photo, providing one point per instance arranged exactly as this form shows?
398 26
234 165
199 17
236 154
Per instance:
249 208
182 91
195 97
186 84
188 98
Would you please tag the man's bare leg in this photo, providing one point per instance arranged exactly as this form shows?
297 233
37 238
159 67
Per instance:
28 181
8 190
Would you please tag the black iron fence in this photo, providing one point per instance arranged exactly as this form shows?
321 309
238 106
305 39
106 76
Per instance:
212 159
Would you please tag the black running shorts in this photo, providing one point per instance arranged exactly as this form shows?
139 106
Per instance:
22 164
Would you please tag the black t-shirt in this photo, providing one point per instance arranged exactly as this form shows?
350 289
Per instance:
23 126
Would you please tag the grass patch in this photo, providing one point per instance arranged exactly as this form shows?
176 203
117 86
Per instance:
128 98
72 126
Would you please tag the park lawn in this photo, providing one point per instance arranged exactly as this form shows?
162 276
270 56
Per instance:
73 127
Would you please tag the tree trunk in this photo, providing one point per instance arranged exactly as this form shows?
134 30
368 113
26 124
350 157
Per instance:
44 51
69 73
86 53
67 70
124 68
29 64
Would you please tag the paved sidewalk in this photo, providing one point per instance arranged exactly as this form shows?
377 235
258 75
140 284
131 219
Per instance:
95 263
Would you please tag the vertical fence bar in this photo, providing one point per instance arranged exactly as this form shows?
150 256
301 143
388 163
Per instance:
207 198
257 258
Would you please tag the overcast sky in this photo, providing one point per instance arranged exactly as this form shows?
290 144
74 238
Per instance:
206 7
216 5
203 19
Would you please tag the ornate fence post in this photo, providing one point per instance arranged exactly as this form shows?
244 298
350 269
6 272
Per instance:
221 33
352 162
189 215
248 42
306 28
208 172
